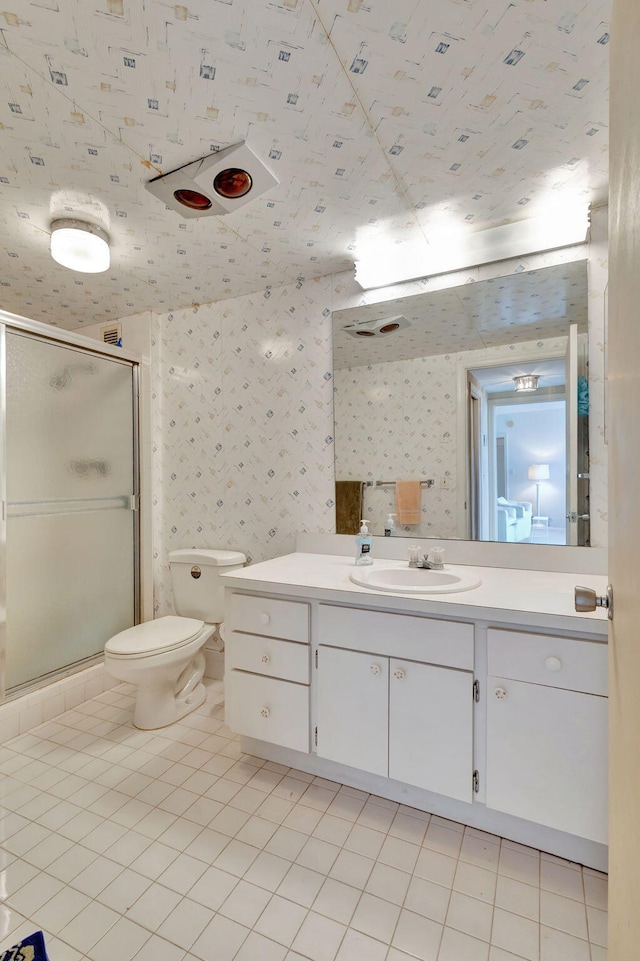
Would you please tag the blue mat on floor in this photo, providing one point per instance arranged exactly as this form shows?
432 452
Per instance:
29 949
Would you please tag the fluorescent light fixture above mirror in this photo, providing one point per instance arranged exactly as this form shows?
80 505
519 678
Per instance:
393 262
80 246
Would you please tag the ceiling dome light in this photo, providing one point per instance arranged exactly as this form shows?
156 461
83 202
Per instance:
80 246
526 382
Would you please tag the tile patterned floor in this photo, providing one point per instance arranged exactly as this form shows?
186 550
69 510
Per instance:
174 846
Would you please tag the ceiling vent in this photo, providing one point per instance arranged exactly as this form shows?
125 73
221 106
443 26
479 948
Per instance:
214 185
112 335
377 328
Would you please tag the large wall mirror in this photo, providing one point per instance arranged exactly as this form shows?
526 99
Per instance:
478 395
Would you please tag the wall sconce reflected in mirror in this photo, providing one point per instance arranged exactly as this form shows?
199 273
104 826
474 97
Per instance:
526 382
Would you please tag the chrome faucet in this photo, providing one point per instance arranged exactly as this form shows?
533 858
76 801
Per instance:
436 564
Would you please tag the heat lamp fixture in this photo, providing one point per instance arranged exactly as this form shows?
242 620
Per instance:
216 184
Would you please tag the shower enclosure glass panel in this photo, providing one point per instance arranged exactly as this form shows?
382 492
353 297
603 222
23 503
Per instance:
71 518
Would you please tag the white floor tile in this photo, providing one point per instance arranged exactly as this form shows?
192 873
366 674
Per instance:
123 892
417 936
154 906
281 920
245 904
558 946
470 916
319 938
357 946
456 946
427 898
88 927
175 846
388 883
301 885
518 897
185 924
564 914
259 948
516 934
597 920
213 888
376 917
122 941
221 939
337 900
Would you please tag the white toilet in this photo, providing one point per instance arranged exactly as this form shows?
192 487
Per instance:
164 657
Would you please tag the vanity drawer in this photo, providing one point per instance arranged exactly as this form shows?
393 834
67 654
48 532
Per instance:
427 639
268 709
574 665
266 655
269 615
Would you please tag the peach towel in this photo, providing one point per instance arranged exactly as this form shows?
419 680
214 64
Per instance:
408 495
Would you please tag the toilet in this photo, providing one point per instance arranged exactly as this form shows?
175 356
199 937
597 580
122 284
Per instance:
164 657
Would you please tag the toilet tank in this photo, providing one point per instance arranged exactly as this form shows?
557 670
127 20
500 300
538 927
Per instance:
198 590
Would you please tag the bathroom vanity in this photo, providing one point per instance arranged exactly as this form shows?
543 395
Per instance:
487 706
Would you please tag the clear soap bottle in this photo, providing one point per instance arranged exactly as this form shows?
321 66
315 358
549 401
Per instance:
364 545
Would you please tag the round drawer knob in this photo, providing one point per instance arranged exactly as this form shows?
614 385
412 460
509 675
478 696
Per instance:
500 693
265 712
376 669
264 618
265 659
399 674
553 663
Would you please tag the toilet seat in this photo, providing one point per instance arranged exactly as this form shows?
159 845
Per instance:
154 637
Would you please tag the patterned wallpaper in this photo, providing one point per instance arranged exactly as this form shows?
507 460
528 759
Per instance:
400 419
392 120
244 429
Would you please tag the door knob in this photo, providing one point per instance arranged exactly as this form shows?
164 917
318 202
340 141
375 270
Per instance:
376 670
586 600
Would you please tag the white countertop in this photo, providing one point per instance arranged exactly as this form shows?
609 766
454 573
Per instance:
546 598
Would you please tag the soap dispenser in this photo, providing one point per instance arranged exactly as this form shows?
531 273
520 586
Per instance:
364 545
390 526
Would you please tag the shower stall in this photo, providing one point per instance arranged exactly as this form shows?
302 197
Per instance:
69 490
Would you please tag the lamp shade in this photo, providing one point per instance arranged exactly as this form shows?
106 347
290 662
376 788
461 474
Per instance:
80 246
538 472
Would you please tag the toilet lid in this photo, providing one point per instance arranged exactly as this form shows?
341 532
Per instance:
163 634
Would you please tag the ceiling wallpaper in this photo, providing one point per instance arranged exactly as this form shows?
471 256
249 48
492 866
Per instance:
380 117
532 305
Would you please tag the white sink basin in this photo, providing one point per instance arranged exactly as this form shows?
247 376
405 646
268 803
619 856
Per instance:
413 580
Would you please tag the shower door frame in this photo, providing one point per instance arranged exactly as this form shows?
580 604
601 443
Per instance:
65 338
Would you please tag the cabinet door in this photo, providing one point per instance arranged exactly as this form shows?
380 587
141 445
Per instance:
353 691
431 728
547 756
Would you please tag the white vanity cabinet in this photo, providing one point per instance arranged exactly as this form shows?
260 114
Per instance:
395 697
267 672
547 731
491 716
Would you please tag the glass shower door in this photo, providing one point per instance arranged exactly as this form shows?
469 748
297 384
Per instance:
71 486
